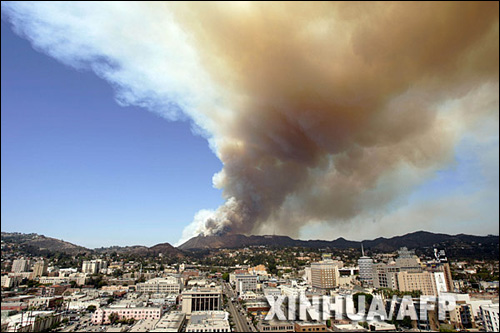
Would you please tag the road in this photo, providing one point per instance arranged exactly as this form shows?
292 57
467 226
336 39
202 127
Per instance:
242 324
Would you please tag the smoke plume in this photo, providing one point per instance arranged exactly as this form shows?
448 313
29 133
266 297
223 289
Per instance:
319 112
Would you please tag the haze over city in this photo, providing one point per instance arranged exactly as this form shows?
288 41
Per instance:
144 123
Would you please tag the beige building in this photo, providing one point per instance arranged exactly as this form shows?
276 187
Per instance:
101 316
201 299
169 285
20 265
40 268
384 275
325 274
423 281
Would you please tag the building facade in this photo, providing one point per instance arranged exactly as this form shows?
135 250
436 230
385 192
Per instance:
489 314
40 268
324 274
366 270
245 282
201 299
169 285
424 281
101 316
20 265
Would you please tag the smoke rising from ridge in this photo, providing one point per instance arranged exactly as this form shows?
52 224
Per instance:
318 112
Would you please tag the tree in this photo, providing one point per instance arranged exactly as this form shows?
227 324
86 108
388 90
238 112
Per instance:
225 277
368 300
117 273
113 317
91 308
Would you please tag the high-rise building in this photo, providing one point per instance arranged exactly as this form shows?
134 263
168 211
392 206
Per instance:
94 266
422 281
40 268
489 314
365 264
201 299
440 264
408 261
20 265
325 274
384 275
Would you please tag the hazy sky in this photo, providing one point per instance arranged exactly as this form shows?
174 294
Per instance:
139 124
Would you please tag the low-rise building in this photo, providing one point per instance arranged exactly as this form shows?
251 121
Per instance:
275 326
209 321
32 321
310 326
101 316
170 322
169 285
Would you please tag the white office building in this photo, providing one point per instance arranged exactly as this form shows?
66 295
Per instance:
245 282
169 285
489 314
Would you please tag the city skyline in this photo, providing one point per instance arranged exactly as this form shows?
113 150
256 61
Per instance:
81 167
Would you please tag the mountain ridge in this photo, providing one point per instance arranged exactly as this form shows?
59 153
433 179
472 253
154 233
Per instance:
418 239
463 244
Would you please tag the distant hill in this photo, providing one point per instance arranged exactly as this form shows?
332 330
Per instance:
164 248
419 239
39 244
34 243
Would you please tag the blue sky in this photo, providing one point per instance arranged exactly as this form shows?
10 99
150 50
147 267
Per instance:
77 166
98 146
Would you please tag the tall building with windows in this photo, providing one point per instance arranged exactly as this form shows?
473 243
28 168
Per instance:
245 282
94 266
422 281
408 261
20 265
385 275
325 274
489 314
365 264
40 268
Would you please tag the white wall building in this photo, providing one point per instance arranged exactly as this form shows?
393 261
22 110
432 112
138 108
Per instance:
245 282
489 314
169 285
209 321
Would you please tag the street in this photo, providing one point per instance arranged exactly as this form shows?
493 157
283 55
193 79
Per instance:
241 321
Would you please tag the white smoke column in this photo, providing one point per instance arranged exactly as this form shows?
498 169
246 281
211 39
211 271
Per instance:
319 112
